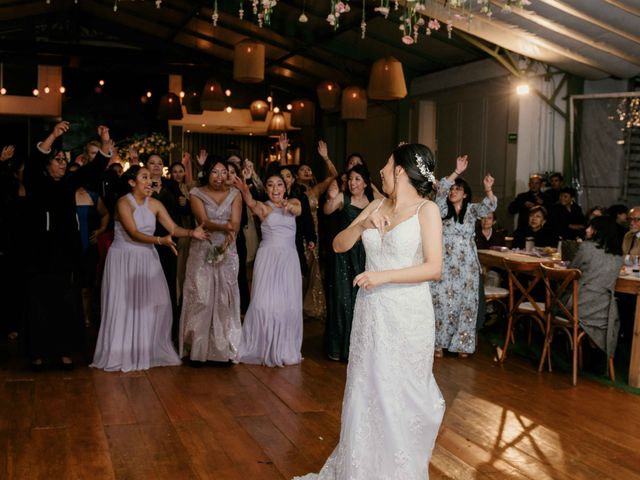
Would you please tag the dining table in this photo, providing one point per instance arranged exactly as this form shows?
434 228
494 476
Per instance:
626 283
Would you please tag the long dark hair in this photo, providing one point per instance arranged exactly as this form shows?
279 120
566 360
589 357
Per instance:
363 171
451 211
130 174
605 234
406 156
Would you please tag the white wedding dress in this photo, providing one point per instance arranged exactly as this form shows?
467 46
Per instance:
392 407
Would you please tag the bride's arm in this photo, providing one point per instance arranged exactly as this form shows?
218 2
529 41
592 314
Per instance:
350 235
431 269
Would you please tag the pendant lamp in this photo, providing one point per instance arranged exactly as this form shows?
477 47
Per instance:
354 103
169 107
259 110
303 113
248 61
212 96
386 81
277 125
329 95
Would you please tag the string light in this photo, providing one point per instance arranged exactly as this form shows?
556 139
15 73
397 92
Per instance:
35 92
62 89
101 83
229 109
227 92
46 89
3 91
149 94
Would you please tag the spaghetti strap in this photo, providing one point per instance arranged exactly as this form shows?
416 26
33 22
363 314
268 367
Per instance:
379 205
420 206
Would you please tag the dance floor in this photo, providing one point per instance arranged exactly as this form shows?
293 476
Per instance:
246 422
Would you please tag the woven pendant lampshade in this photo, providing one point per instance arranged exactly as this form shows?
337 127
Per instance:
386 81
169 107
259 110
248 61
277 125
303 113
212 96
354 103
329 95
191 102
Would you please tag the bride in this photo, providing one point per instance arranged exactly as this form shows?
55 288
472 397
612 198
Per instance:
392 407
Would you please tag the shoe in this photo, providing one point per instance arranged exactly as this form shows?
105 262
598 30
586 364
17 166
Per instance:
334 358
66 364
438 353
463 355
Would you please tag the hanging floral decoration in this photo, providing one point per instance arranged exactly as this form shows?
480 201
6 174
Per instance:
411 13
337 8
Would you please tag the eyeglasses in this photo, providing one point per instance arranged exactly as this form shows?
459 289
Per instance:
634 219
60 159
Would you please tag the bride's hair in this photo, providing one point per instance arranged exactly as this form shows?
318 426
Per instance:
418 162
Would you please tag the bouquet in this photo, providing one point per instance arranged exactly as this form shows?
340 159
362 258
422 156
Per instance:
216 254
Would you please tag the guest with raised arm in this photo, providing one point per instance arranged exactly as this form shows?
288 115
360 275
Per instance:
342 292
135 331
54 246
455 295
272 329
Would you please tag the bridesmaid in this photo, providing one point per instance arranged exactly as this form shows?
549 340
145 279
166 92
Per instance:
210 326
342 293
135 332
272 330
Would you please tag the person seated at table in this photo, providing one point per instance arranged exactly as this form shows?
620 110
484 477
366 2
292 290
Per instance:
599 258
567 218
487 235
594 212
529 199
538 229
631 240
556 184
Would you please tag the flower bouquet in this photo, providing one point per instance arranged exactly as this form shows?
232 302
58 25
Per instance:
216 254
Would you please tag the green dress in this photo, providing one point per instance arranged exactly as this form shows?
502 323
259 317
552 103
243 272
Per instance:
341 292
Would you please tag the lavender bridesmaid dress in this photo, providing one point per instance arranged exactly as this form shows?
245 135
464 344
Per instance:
135 331
272 330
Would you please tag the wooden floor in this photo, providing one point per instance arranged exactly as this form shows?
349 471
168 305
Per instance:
245 422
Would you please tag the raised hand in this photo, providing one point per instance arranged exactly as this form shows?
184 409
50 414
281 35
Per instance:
322 149
461 164
133 153
7 153
241 185
283 142
202 157
103 132
60 128
333 190
488 182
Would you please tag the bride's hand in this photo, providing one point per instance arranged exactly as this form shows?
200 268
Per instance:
376 220
368 280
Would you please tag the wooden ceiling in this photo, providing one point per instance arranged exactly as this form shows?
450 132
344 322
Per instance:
179 37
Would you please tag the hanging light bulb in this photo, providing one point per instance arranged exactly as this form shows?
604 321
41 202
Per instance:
149 94
181 94
276 109
101 83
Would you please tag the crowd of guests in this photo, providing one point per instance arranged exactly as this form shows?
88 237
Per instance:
169 253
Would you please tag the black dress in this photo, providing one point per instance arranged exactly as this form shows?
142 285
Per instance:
54 315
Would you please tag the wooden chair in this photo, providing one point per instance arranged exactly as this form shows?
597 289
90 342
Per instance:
521 302
496 296
560 282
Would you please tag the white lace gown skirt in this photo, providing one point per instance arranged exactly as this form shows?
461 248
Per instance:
392 407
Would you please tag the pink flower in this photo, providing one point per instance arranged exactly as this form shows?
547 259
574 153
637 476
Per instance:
340 8
407 40
434 24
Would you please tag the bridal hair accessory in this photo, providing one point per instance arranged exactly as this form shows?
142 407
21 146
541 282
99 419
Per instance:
428 174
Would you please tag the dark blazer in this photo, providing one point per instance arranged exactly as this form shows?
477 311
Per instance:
518 206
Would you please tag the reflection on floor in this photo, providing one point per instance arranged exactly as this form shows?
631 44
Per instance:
245 422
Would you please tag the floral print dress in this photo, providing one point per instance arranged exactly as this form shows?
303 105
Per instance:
455 296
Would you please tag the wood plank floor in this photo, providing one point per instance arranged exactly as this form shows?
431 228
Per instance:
246 422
